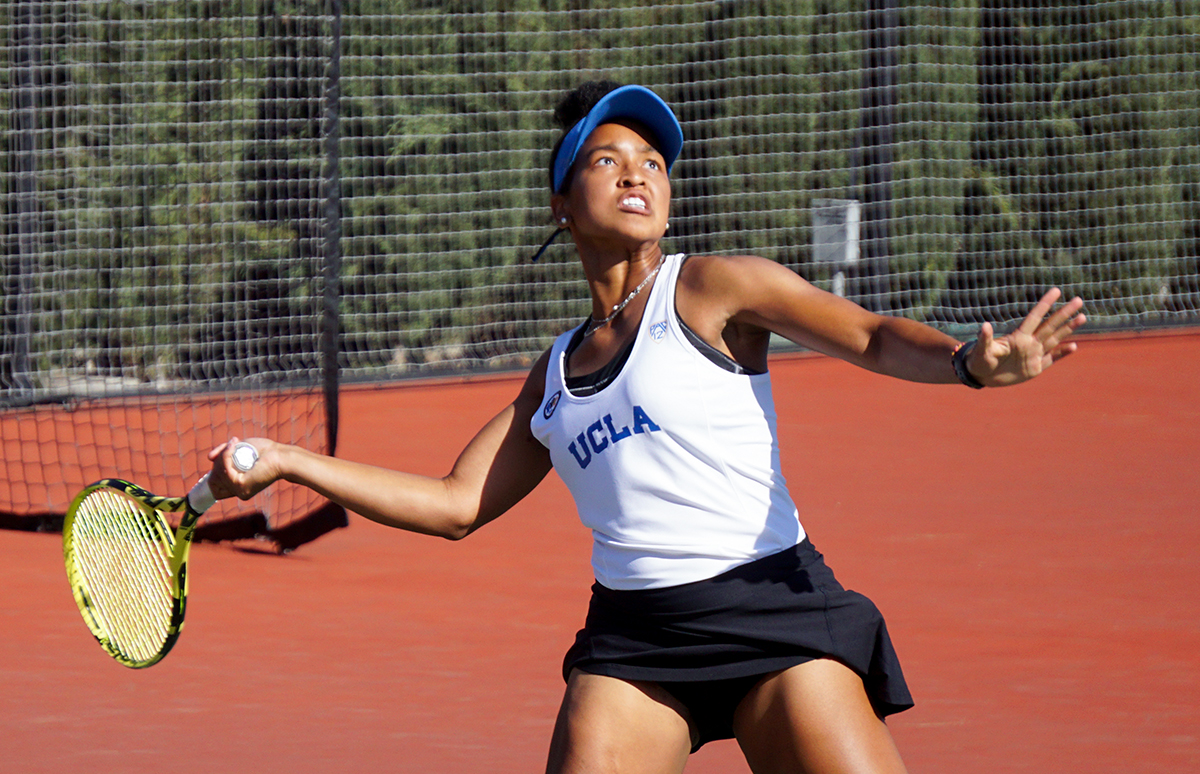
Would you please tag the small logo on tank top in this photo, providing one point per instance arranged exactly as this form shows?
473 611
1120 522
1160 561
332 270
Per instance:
658 330
548 409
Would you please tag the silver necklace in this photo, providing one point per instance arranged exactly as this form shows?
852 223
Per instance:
595 325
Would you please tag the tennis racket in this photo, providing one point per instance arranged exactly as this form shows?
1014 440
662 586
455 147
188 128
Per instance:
128 567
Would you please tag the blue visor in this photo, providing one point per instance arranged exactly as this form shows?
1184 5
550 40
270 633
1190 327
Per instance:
634 102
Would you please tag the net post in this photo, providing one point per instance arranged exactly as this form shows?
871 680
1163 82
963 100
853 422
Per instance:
25 47
875 151
331 327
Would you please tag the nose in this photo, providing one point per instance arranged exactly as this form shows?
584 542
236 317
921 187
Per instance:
631 175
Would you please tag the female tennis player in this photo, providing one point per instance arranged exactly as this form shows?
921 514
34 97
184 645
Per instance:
713 616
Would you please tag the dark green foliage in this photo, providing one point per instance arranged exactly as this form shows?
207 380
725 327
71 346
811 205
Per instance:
176 228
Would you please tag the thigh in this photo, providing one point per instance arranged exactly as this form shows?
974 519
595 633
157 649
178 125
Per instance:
814 718
612 725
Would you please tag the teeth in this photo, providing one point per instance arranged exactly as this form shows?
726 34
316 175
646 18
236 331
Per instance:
634 202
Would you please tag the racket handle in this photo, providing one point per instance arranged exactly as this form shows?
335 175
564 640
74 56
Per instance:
201 497
244 456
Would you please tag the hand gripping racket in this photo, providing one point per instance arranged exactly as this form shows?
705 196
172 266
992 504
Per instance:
128 567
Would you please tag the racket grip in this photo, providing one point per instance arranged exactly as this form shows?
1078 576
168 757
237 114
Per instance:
201 497
245 456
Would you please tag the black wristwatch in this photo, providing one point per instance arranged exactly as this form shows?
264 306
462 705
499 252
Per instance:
959 359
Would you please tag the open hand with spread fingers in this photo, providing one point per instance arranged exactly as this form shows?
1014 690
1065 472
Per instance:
1037 343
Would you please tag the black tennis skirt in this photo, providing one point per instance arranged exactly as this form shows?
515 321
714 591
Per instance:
765 616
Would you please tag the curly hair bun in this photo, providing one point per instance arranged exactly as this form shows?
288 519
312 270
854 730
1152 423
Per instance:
578 103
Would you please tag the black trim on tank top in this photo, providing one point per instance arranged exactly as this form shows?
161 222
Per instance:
589 384
592 383
716 356
712 353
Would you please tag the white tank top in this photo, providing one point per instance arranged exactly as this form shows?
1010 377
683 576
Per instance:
674 465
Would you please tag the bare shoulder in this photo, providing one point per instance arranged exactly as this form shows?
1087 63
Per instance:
724 268
755 294
712 296
534 387
738 275
734 283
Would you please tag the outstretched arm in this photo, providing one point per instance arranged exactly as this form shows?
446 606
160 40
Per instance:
735 302
501 464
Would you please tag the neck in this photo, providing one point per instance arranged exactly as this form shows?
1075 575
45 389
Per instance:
612 278
634 298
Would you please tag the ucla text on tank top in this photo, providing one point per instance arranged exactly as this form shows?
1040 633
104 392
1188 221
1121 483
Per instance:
674 465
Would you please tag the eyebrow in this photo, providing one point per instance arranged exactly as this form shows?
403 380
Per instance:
613 148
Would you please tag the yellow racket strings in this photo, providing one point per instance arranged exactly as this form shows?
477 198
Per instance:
123 554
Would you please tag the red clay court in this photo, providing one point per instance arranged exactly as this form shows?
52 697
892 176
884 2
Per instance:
1033 549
